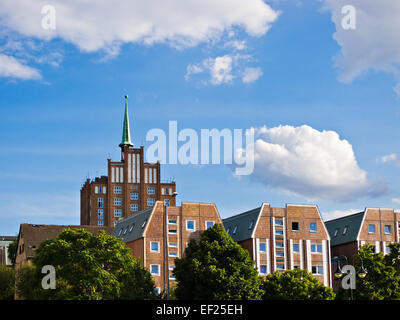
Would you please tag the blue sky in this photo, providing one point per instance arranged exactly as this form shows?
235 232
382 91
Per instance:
61 106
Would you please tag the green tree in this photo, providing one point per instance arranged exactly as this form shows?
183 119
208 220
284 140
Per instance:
393 258
382 279
7 279
296 284
216 268
12 251
88 267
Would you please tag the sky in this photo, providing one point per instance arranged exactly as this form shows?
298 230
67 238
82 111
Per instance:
319 84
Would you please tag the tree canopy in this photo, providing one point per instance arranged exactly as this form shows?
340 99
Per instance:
88 267
216 268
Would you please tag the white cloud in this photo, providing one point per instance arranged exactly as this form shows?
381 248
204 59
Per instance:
374 44
94 25
390 158
396 200
225 69
334 214
10 67
251 74
237 44
313 164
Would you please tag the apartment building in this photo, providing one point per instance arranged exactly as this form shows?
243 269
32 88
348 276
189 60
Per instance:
32 235
279 239
131 185
376 226
159 235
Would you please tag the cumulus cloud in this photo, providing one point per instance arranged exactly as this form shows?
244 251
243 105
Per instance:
390 158
94 25
375 42
305 162
10 67
251 74
224 69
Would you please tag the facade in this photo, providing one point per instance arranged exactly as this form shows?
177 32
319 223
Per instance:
32 235
160 234
4 243
131 185
279 239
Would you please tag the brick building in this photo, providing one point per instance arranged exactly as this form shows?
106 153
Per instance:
32 235
4 244
148 232
376 226
131 185
279 239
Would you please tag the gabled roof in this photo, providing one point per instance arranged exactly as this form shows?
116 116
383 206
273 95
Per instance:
35 234
244 224
353 223
132 228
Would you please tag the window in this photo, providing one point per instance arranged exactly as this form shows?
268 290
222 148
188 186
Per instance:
280 266
371 228
117 201
115 223
227 230
263 269
131 227
157 291
100 214
295 226
251 224
100 223
172 244
317 270
234 230
134 196
296 247
134 207
144 223
172 254
313 227
151 190
171 269
166 202
209 224
279 244
388 229
262 247
336 232
126 230
117 213
100 202
279 222
154 246
279 232
155 269
316 248
346 228
166 191
280 254
120 232
117 190
190 225
171 221
387 250
172 231
150 202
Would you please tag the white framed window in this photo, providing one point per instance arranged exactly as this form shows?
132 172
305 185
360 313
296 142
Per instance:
166 202
150 202
155 270
172 254
154 246
100 214
371 229
144 223
313 227
96 189
172 231
117 201
172 221
279 244
172 245
100 202
296 247
134 207
316 248
117 213
209 224
151 190
117 190
171 269
190 225
115 223
280 254
317 270
280 266
134 196
295 226
263 269
262 247
100 223
279 223
388 229
279 232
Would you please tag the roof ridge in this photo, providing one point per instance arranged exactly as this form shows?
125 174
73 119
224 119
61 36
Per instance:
344 217
242 214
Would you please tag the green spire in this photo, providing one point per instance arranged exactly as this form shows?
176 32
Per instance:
126 134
